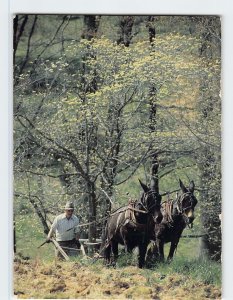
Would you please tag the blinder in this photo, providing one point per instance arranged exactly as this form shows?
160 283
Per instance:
192 201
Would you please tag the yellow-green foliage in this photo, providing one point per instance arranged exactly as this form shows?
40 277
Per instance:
173 65
125 75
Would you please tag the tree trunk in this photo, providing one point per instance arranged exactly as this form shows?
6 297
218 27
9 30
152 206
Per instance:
209 162
151 29
91 24
153 110
92 214
154 173
126 26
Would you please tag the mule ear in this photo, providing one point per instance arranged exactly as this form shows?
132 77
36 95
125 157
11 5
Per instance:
145 187
183 188
191 186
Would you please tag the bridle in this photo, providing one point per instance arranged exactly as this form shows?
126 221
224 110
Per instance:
179 205
180 200
144 200
144 209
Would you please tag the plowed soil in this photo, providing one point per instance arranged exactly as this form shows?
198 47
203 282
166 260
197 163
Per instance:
73 280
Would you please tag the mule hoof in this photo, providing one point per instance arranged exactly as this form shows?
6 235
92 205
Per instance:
108 265
111 264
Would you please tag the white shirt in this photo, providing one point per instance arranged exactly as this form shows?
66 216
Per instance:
64 228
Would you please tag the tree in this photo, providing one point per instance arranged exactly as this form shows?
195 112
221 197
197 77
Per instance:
126 27
209 107
105 109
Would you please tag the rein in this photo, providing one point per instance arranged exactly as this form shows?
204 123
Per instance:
130 208
137 210
129 216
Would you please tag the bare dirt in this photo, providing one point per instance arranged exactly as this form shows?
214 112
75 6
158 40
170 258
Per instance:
74 280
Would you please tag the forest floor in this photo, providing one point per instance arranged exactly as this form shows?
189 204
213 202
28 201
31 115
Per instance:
77 280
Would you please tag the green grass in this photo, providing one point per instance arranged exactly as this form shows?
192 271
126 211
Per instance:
29 236
200 269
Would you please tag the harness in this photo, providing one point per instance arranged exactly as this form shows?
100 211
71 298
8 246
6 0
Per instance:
167 208
178 205
169 205
129 217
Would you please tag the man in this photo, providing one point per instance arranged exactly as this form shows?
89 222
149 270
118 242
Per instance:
65 227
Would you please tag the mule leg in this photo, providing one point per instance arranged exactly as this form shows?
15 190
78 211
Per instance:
128 249
142 253
115 251
152 255
172 250
155 252
107 254
126 241
160 246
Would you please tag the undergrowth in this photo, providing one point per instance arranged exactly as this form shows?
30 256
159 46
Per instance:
200 269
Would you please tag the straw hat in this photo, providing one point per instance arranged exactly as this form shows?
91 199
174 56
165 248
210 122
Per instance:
69 205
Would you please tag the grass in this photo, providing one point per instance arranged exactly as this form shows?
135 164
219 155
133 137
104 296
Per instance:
200 269
29 236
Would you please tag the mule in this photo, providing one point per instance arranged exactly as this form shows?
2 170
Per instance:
177 214
132 225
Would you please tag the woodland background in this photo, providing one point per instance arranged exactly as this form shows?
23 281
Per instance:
97 100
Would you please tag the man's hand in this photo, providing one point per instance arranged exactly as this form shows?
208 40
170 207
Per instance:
48 240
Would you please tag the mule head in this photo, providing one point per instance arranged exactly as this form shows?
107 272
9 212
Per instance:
151 201
187 201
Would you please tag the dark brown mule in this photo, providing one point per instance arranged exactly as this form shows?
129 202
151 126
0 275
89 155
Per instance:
132 225
177 214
